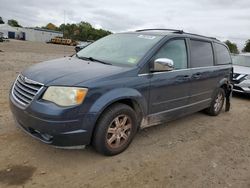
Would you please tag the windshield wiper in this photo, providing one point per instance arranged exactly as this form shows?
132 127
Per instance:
100 61
93 59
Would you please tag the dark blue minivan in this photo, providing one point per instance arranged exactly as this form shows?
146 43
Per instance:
123 82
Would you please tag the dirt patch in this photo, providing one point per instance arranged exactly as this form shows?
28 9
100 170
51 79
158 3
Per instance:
16 175
194 151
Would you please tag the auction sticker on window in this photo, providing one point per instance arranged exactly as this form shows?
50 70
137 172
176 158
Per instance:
132 60
146 37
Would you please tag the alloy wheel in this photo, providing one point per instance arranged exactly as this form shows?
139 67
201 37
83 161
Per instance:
119 131
218 102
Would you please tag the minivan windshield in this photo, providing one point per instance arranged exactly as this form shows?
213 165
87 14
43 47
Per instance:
120 49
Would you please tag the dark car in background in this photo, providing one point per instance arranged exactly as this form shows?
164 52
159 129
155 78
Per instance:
119 84
82 45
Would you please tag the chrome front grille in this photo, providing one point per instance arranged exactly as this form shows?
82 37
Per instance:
24 90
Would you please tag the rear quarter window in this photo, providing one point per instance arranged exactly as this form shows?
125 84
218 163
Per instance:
222 54
201 53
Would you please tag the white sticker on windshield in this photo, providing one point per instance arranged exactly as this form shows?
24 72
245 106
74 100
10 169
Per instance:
147 37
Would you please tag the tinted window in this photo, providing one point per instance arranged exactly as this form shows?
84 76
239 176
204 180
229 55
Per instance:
176 51
223 56
201 53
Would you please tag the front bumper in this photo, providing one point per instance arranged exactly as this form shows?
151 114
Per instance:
61 132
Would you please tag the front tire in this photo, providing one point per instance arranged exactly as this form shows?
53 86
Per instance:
217 102
115 129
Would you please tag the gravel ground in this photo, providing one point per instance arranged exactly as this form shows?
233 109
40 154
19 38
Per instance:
194 151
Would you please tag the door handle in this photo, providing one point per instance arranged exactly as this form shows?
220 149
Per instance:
183 77
197 75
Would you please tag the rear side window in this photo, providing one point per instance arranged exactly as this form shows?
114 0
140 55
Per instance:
222 54
201 53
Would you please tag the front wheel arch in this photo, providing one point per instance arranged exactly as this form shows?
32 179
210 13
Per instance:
127 101
99 141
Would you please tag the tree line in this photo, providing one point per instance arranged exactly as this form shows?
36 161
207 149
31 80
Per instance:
11 22
234 48
84 31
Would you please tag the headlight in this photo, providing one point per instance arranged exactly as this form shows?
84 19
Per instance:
65 96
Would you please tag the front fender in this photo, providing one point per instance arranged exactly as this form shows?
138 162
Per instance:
118 94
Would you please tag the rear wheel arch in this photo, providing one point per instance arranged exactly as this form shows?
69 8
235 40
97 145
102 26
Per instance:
224 84
224 87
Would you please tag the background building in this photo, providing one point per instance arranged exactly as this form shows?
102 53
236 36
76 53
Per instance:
241 59
29 34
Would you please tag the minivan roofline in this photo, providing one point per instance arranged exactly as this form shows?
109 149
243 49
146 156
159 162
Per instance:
164 32
175 33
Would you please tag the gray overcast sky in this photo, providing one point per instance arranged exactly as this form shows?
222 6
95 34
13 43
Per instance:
224 19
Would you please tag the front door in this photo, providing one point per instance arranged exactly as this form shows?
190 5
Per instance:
169 90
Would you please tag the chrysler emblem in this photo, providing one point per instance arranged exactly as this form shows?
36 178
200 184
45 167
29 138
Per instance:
26 80
23 78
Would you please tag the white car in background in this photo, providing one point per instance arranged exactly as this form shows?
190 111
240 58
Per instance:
241 77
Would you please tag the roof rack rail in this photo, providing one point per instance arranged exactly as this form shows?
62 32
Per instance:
200 36
174 30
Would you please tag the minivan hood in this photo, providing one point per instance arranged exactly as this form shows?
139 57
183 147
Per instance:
69 71
241 69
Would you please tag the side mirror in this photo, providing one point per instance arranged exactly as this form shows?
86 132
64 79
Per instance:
162 64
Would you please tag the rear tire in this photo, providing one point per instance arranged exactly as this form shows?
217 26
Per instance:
217 102
115 129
